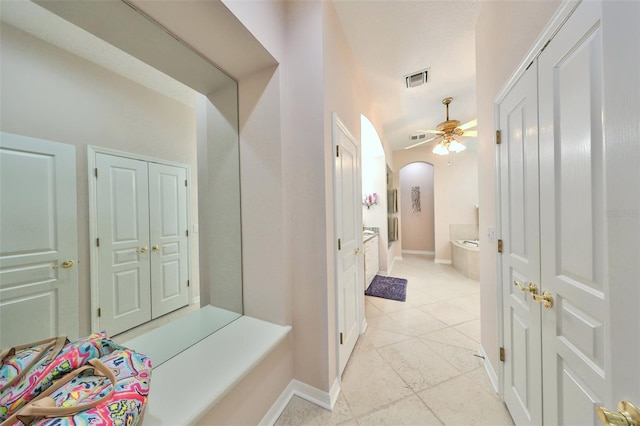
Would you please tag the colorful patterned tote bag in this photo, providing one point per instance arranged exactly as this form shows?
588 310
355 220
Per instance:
37 376
112 390
18 360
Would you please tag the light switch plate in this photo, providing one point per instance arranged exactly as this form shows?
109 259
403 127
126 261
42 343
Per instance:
491 233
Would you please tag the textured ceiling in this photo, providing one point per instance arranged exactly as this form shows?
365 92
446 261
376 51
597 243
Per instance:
391 39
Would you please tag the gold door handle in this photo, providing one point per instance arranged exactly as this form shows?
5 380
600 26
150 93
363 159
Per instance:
155 248
546 298
358 250
143 249
627 416
532 288
66 264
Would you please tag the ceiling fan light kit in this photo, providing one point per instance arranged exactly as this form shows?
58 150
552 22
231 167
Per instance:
446 132
456 146
440 149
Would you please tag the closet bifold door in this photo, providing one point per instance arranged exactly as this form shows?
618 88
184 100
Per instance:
122 194
168 236
572 227
518 154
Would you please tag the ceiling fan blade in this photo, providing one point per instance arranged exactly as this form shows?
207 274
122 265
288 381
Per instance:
437 132
470 133
423 142
469 124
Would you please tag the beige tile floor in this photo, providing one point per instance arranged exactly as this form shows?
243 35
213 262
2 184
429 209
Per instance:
415 364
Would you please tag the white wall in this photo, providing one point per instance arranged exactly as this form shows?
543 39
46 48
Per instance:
306 193
455 190
504 33
346 95
418 227
51 94
219 197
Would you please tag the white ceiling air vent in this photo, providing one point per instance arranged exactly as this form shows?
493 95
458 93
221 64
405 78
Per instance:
417 78
418 137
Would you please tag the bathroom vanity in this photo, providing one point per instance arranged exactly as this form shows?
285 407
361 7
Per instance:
371 262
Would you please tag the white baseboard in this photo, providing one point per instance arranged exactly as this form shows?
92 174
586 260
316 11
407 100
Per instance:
363 326
323 399
488 368
443 261
196 300
334 392
425 253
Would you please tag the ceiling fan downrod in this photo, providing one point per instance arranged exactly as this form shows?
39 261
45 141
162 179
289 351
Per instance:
446 102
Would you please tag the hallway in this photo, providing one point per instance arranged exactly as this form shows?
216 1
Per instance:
415 364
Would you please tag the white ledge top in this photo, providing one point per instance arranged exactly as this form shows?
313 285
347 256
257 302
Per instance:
188 385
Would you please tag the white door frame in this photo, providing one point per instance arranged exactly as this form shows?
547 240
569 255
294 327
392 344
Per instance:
360 309
553 26
93 219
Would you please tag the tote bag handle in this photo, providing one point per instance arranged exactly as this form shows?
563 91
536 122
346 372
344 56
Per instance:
54 343
44 405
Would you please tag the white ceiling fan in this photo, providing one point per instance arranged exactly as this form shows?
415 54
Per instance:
446 133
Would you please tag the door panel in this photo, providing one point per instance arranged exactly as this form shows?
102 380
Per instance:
38 232
168 226
123 229
347 210
521 249
574 250
589 245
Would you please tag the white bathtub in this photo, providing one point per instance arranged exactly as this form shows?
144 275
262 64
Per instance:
465 257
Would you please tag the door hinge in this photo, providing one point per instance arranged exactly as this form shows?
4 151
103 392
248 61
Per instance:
99 312
97 242
502 358
187 232
339 244
185 182
545 45
96 172
498 137
338 151
188 284
499 246
341 336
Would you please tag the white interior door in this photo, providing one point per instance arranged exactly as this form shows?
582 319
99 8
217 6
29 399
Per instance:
589 342
573 239
168 236
350 285
38 233
521 250
123 232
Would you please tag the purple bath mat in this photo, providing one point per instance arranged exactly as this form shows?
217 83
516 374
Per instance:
388 288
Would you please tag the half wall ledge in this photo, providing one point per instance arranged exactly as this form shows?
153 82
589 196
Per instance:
188 385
